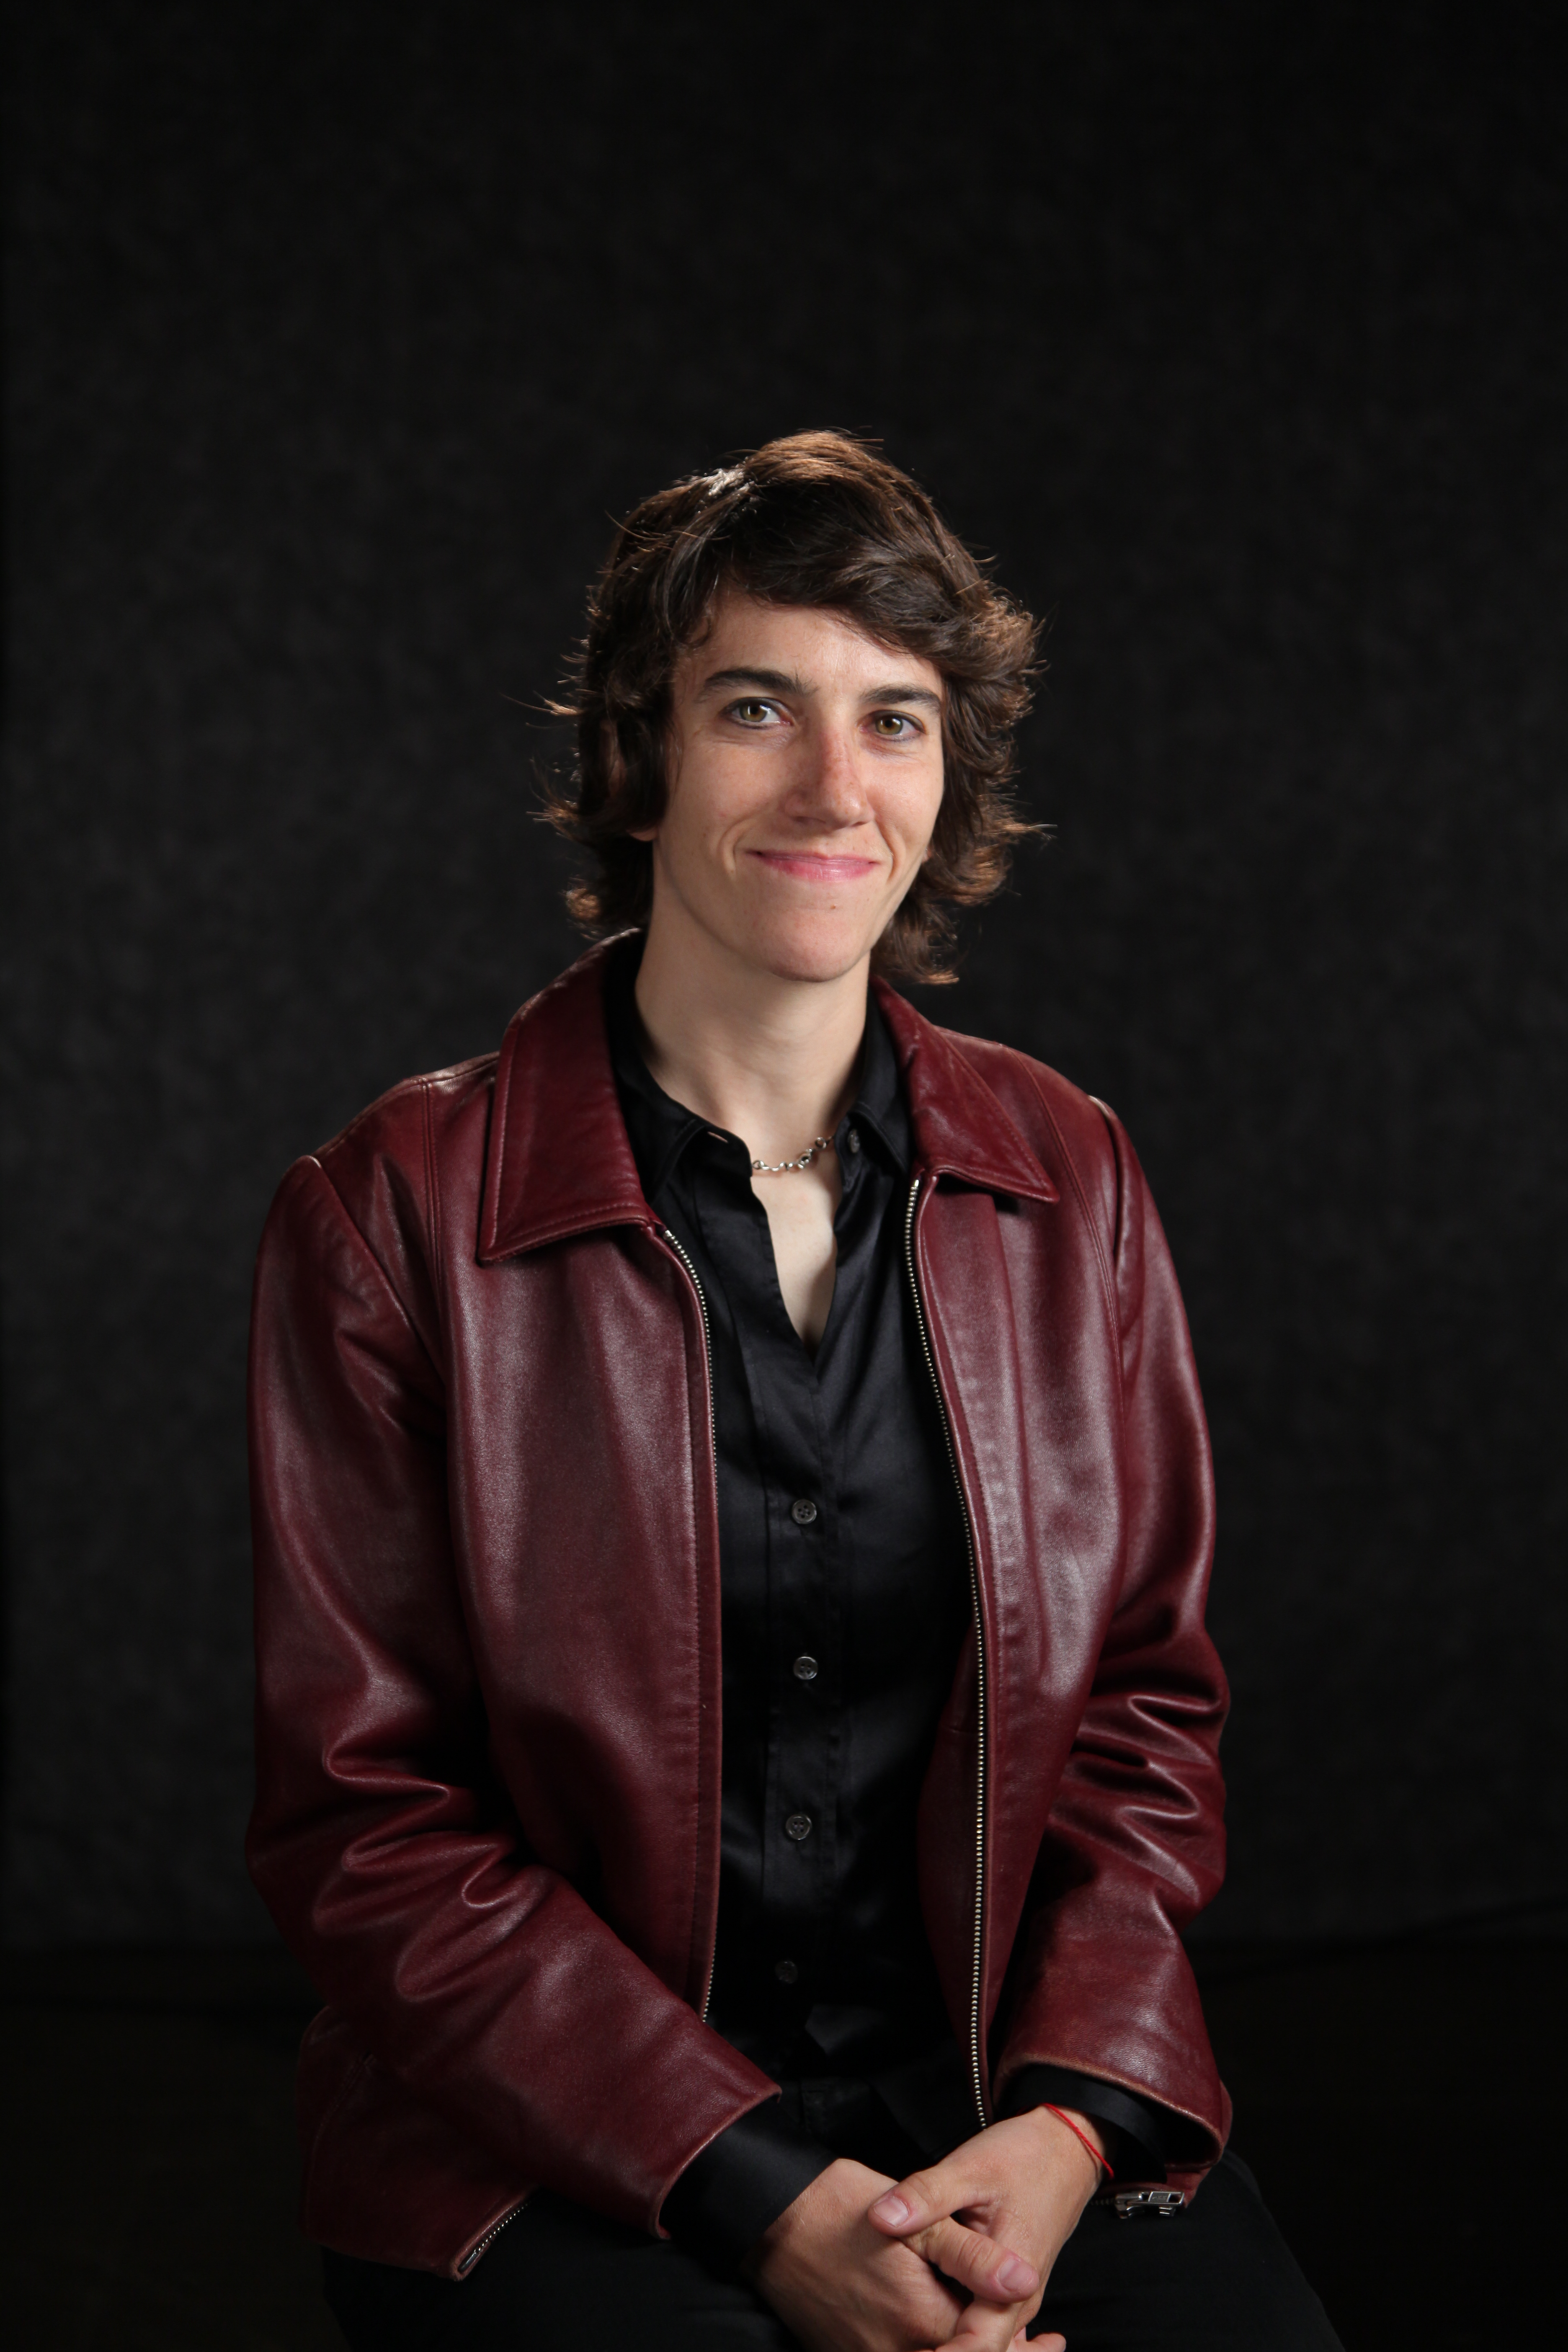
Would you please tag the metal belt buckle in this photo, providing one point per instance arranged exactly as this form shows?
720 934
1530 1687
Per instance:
1131 2202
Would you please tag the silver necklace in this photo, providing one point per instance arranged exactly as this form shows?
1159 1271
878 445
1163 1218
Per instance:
783 1167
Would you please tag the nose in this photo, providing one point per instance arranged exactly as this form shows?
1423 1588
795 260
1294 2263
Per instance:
827 790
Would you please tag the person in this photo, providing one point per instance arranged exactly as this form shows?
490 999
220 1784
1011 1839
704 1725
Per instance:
737 1732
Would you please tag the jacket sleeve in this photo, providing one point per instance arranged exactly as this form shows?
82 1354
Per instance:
1134 1845
390 1857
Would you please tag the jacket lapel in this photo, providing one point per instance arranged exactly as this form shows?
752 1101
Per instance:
961 1129
558 1159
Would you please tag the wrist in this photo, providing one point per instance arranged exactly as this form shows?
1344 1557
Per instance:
1092 2131
798 2218
1089 2136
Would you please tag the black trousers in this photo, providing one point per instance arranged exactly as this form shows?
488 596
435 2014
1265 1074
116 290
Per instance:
1217 2277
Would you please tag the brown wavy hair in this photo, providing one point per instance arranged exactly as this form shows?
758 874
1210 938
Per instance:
818 519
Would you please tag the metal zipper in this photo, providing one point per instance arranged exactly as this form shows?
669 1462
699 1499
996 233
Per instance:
713 1446
480 2244
977 2077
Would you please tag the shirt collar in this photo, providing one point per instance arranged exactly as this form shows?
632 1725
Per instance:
661 1128
559 1161
879 1102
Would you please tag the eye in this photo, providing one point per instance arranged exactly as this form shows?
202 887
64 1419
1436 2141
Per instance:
892 726
752 711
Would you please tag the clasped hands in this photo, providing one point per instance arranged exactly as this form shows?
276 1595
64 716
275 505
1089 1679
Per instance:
954 2259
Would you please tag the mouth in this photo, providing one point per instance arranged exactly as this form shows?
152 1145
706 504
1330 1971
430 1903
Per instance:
806 866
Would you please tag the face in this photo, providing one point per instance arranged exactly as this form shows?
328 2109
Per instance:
805 780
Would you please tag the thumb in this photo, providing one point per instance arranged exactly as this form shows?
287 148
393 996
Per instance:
912 2203
983 2266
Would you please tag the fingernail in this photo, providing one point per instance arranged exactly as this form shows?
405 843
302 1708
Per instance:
891 2208
1015 2277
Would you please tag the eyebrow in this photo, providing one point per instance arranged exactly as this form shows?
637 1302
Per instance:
780 681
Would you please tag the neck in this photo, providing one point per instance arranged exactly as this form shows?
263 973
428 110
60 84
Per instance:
769 1058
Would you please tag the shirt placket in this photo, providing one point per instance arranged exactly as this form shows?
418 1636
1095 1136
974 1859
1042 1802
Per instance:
807 1712
806 1641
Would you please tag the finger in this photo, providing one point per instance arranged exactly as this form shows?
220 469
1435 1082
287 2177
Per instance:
982 2264
923 2198
985 2328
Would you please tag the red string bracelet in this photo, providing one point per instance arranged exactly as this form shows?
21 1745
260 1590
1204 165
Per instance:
1082 2139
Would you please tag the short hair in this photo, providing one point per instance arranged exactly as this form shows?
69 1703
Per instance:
818 519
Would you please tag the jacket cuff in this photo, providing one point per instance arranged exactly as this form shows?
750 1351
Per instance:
1142 2136
737 2186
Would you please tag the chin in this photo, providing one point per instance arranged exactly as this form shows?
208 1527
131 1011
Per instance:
811 952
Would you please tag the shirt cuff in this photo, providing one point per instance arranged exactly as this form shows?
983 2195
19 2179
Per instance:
737 2186
1142 2136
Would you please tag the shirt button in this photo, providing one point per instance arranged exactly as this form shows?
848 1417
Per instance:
798 1826
805 1669
786 1972
853 1138
802 1510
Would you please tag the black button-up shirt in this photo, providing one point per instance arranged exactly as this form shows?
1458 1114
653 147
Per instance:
845 1591
845 1587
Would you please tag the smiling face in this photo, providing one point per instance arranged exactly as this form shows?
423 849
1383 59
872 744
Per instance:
805 773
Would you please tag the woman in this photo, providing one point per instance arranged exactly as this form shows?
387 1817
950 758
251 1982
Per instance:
737 1732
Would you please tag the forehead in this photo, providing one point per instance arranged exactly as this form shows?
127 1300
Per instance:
825 651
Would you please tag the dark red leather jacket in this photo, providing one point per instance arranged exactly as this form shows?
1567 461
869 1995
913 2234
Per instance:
487 1629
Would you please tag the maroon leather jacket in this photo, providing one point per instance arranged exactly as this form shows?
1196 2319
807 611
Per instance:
487 1627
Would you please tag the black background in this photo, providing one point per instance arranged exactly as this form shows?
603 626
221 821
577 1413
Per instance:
337 333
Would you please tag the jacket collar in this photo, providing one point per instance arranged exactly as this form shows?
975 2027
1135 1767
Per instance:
558 1161
961 1129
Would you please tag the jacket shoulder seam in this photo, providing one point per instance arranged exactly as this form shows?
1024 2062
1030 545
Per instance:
373 1257
1110 1124
422 1085
431 1181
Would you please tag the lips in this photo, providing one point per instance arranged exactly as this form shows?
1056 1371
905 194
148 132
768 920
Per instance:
803 867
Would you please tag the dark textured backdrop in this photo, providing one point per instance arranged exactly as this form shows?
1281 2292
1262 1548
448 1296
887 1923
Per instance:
337 333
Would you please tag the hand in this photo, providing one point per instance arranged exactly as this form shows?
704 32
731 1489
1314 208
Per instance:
842 2285
1021 2185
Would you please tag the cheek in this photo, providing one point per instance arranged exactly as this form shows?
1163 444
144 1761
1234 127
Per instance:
924 809
719 796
